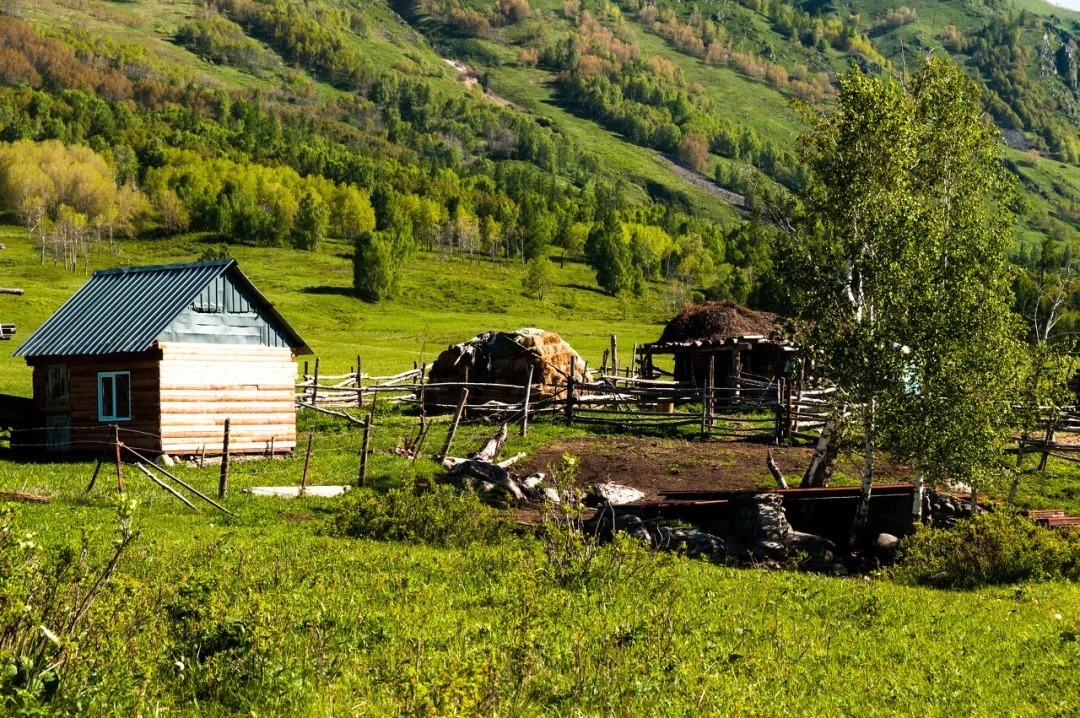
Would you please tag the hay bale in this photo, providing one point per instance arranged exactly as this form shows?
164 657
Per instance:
503 358
719 321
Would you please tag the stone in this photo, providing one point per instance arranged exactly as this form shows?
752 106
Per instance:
611 494
533 481
633 526
552 496
886 542
769 550
168 460
693 543
818 549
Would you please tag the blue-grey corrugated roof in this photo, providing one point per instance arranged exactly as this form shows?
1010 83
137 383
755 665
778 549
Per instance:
125 310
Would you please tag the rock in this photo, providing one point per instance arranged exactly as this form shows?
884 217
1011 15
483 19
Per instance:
552 495
611 494
532 482
633 526
694 543
839 569
168 460
886 542
485 487
819 550
766 550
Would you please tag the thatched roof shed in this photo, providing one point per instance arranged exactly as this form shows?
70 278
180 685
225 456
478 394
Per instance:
738 339
714 323
503 358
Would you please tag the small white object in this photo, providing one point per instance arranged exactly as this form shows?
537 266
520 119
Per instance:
292 492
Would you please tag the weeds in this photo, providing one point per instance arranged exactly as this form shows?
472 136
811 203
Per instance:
576 557
439 516
44 600
990 548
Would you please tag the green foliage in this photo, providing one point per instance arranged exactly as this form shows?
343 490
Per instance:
312 221
539 277
901 264
991 548
375 267
437 516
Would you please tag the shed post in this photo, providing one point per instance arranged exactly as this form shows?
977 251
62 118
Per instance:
223 479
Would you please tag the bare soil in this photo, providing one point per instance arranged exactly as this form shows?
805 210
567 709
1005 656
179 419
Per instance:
653 465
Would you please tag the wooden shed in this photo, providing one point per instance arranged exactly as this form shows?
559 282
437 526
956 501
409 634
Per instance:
165 353
737 341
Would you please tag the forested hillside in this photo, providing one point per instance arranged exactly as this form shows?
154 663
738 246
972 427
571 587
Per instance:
655 141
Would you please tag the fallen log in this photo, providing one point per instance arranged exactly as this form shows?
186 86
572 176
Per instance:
10 290
19 496
781 483
491 448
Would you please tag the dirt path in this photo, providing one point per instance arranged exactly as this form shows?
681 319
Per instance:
702 182
470 78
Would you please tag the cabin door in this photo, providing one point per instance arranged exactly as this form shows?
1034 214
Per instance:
58 432
57 408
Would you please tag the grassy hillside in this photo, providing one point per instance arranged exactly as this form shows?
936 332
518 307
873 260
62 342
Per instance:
442 301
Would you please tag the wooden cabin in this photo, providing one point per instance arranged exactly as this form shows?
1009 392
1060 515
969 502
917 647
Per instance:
165 354
734 339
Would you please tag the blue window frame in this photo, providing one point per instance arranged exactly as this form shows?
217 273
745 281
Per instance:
114 396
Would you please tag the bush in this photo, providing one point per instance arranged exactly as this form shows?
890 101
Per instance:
439 516
990 548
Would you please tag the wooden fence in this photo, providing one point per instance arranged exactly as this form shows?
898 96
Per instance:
756 407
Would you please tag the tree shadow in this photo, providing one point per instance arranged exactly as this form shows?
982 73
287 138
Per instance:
583 288
329 291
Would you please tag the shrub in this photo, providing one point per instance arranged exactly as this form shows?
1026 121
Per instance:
439 516
990 548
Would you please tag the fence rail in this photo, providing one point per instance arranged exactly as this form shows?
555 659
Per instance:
756 407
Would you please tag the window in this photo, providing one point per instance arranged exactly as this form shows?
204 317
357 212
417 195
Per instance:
56 386
114 396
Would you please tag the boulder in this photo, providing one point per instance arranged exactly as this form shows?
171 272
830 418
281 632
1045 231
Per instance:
634 526
886 542
611 494
693 543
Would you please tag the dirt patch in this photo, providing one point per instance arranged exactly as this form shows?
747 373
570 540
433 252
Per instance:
653 465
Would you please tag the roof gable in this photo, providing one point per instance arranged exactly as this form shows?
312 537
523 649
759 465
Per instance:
126 310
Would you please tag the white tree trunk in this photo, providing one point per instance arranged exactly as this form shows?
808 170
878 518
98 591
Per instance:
917 498
863 509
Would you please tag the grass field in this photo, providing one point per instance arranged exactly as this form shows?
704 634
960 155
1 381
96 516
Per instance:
265 614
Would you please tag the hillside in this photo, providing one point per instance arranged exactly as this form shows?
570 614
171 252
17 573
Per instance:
506 127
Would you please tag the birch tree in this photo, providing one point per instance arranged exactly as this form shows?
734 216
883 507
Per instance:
897 262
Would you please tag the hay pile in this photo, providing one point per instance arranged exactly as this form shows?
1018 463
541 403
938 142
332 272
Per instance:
503 358
717 322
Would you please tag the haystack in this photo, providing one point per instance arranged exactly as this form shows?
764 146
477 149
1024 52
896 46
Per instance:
503 358
717 322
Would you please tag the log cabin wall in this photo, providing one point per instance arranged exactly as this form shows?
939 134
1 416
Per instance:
203 384
87 431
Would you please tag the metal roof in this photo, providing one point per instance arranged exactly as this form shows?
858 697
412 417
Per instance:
124 310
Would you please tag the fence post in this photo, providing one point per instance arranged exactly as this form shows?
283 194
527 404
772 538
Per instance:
525 408
614 355
364 450
307 462
119 465
603 363
359 383
569 408
710 387
787 408
1046 444
315 384
454 424
223 479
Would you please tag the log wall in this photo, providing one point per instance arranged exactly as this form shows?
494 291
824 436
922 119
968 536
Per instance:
201 385
87 432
